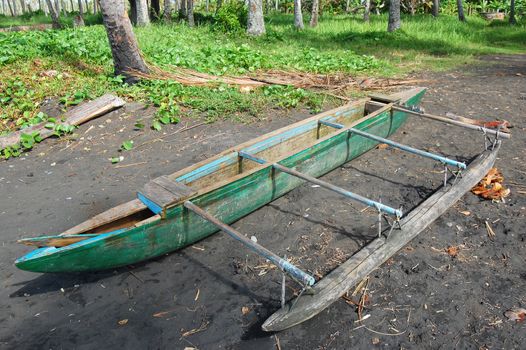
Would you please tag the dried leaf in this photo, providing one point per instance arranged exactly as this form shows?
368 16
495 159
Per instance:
491 187
123 322
516 314
382 146
466 212
375 341
452 251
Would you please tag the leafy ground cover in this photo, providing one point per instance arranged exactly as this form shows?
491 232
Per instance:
82 61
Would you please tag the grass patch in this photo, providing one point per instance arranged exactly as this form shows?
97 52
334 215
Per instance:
341 43
38 17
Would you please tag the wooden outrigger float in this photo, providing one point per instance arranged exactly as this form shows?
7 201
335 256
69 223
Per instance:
174 211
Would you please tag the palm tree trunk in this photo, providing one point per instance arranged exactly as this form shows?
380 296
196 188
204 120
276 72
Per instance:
394 16
255 22
460 10
10 8
15 9
314 13
143 18
436 6
124 47
182 9
190 12
54 15
168 10
298 15
367 11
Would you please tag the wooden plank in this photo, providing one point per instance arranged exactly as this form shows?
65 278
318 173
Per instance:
383 98
75 116
176 188
333 286
163 192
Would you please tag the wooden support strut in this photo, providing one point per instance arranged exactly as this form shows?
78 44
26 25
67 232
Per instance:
283 264
369 202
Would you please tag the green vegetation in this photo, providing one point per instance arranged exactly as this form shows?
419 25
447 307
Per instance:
340 44
39 17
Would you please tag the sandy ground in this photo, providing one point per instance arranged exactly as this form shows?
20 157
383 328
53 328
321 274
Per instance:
215 295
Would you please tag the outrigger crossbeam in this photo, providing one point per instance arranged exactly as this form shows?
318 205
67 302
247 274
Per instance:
301 276
441 159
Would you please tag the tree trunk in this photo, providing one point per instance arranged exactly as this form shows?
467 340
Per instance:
124 48
436 6
277 5
190 12
54 15
182 9
79 20
460 9
10 8
58 7
95 7
298 15
255 22
367 11
155 9
15 8
23 6
143 19
314 13
168 10
512 12
394 16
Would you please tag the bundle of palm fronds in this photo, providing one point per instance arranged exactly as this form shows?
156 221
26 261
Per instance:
328 82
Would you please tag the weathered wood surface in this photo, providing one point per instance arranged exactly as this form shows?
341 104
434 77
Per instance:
75 116
334 285
228 198
164 191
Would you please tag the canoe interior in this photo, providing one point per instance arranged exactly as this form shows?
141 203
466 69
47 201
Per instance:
226 166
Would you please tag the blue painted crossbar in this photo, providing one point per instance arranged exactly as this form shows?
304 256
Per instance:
283 264
409 149
369 202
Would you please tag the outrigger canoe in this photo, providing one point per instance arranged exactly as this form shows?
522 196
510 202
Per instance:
174 211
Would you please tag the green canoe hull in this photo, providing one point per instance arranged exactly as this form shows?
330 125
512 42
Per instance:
180 227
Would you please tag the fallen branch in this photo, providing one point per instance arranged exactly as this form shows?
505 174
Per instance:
76 116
